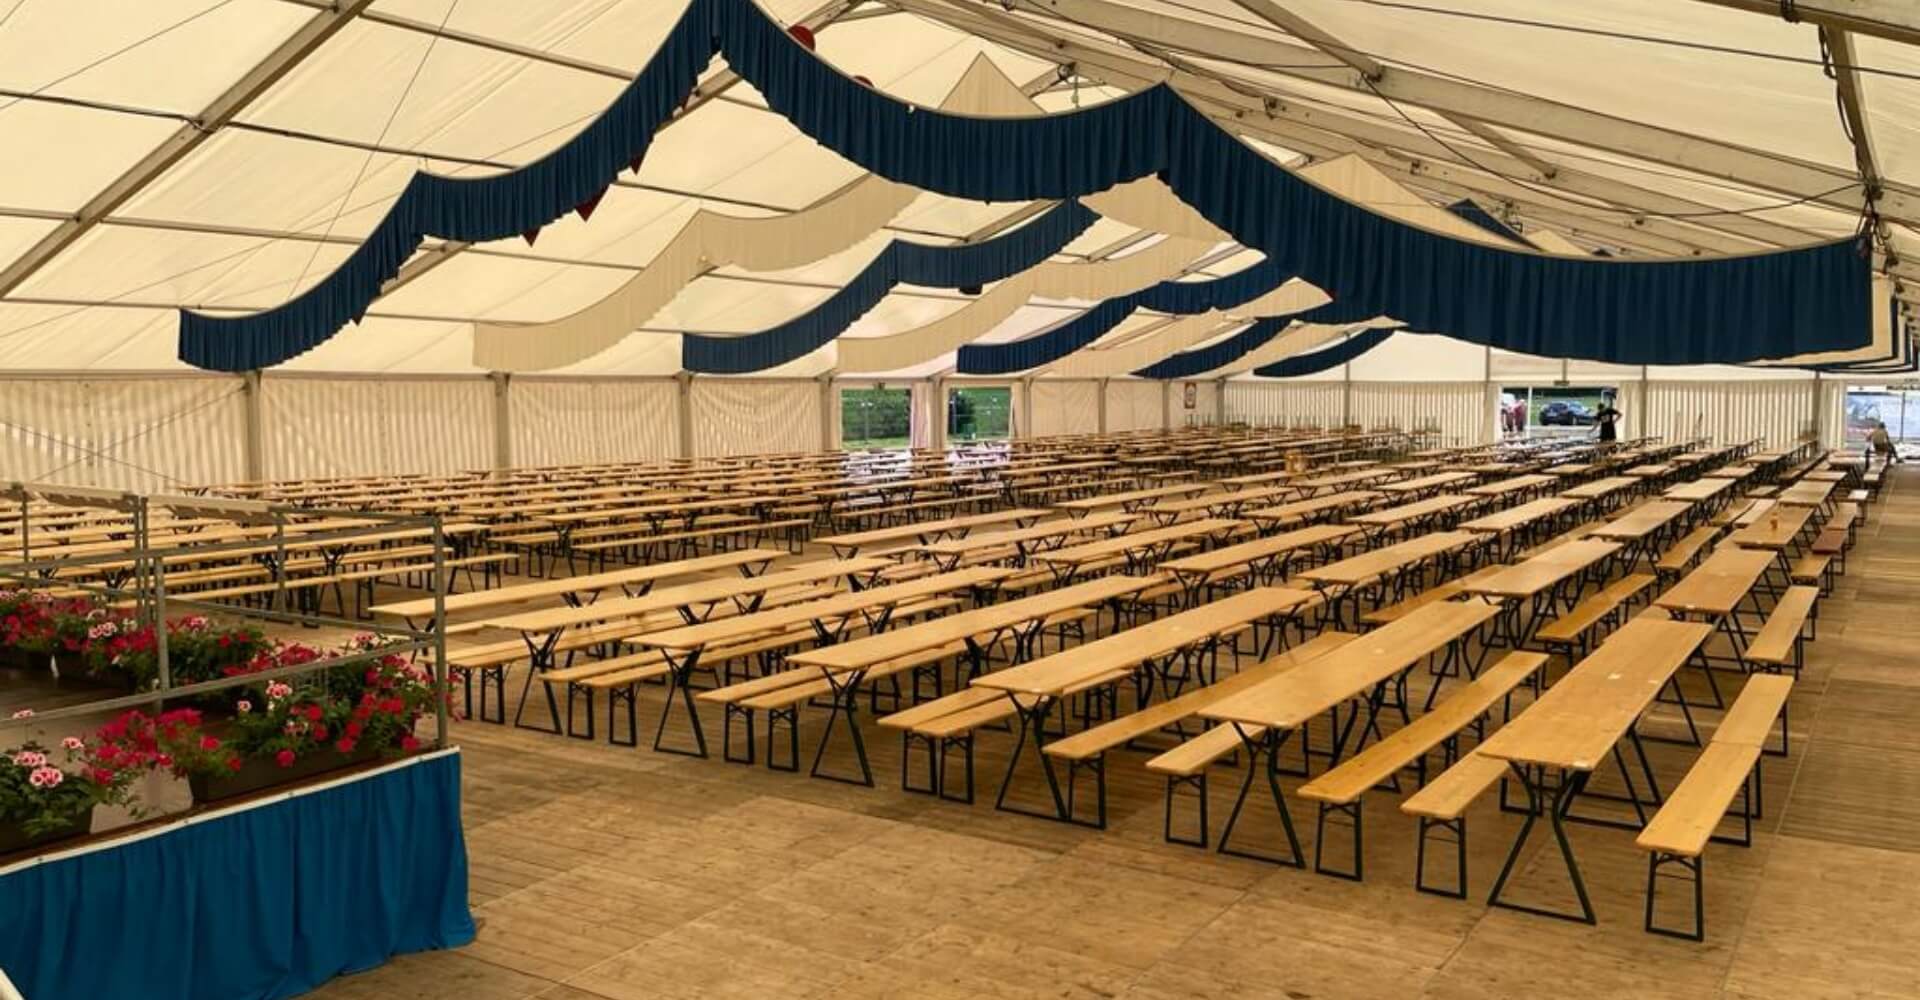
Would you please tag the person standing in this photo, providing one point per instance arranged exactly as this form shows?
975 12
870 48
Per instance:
1882 443
1607 419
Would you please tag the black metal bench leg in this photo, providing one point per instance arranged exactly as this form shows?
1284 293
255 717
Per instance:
1694 873
1353 812
1457 827
1198 782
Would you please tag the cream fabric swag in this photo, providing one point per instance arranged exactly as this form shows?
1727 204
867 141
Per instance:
712 240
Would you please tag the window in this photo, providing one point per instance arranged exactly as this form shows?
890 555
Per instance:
1871 405
1555 410
874 418
979 414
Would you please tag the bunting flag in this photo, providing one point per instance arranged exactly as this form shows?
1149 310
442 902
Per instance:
1670 311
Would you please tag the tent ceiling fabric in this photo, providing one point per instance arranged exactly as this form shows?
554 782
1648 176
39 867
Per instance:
274 199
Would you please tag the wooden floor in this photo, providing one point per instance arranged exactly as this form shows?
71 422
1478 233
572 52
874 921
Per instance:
610 873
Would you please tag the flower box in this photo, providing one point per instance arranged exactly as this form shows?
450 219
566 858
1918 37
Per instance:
14 837
261 773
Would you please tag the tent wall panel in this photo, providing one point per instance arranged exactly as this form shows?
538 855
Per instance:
149 434
1065 407
1133 406
1457 411
1775 411
1288 403
1421 357
364 427
742 417
1206 404
570 421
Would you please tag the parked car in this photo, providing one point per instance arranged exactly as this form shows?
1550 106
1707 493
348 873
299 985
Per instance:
1566 414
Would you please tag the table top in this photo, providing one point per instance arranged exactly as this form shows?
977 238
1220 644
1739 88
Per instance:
838 606
1578 720
1299 696
1719 583
1776 530
1501 487
1641 521
1600 487
1303 508
1074 555
1806 493
1124 651
1524 579
858 654
1439 480
1355 570
1400 513
1521 516
1242 553
1033 533
587 584
1698 489
704 592
1105 500
922 529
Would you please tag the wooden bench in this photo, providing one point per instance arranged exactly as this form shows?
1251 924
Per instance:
1750 720
490 662
1439 592
1186 766
1780 643
1677 835
1343 790
1575 630
782 701
1442 805
1681 556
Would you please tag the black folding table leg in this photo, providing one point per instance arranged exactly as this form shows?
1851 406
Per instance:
1267 744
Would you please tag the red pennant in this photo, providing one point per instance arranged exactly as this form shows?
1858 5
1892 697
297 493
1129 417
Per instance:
802 34
531 235
864 80
634 164
586 208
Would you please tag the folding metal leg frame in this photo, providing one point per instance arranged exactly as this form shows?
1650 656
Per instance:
1692 869
1533 778
1264 745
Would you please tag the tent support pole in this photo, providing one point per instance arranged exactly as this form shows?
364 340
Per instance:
502 421
254 460
683 400
1101 410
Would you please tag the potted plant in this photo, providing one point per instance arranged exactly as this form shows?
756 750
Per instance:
44 800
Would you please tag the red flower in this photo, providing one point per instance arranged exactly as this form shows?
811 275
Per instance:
314 713
164 760
209 743
393 706
102 776
319 734
408 743
353 730
233 763
284 758
344 746
364 712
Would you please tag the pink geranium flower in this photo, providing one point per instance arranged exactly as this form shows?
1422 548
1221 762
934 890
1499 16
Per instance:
30 759
73 743
46 777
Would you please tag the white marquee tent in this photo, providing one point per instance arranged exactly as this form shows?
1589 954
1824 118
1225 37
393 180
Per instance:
224 155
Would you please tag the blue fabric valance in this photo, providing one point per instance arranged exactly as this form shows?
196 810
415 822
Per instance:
265 901
901 263
1184 298
1187 364
1314 362
1680 311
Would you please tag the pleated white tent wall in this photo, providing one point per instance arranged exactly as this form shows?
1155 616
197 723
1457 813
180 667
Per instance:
315 427
1134 406
137 434
1065 407
579 421
737 417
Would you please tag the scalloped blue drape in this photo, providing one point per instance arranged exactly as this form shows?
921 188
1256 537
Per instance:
1184 298
1470 210
1187 364
901 263
1314 362
1713 310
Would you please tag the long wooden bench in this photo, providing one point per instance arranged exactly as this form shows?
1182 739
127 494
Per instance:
1572 634
781 702
1780 643
1442 806
1343 790
1677 835
1186 766
1446 591
1681 556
